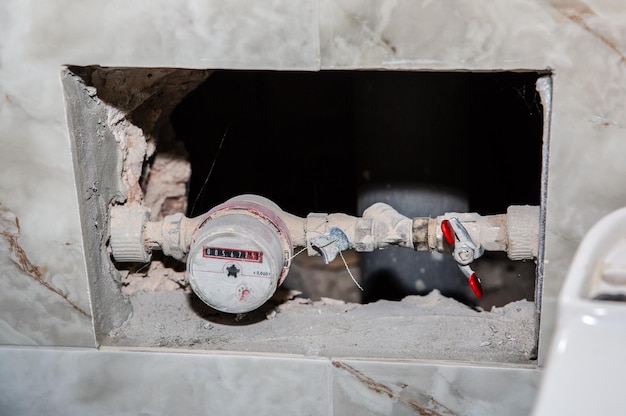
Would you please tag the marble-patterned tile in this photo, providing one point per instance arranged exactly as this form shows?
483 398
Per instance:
37 185
89 382
36 306
402 388
406 34
275 34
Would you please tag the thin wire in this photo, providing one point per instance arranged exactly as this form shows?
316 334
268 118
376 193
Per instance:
206 180
301 251
349 272
344 263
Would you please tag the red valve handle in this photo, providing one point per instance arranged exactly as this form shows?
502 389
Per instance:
450 237
448 232
476 285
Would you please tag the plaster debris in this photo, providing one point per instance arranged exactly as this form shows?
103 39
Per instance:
431 327
159 274
166 184
134 148
139 104
153 165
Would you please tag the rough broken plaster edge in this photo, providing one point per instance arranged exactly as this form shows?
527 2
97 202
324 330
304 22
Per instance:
92 145
100 154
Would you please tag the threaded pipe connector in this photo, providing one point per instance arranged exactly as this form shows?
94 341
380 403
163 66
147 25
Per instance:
127 227
523 232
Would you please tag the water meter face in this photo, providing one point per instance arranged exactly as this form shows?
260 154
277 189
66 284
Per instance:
234 269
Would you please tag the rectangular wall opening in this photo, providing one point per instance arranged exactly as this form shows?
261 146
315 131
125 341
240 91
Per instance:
329 141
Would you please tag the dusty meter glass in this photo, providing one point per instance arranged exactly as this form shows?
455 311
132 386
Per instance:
240 255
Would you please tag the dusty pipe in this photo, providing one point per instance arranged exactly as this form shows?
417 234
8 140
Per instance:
380 226
239 252
133 236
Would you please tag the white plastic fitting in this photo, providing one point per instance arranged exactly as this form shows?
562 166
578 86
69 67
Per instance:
523 231
127 225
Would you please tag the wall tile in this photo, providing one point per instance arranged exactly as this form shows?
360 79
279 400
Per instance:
89 382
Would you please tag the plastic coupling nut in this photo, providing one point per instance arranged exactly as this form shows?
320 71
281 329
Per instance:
126 227
523 231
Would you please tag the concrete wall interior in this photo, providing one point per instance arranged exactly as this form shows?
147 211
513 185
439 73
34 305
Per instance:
427 143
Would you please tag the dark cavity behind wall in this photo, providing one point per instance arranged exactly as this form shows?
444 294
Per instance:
310 140
287 136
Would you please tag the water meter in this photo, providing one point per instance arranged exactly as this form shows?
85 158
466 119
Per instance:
240 254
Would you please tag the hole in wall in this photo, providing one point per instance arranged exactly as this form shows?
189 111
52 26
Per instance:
328 141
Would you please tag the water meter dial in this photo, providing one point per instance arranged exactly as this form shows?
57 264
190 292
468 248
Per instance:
239 257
